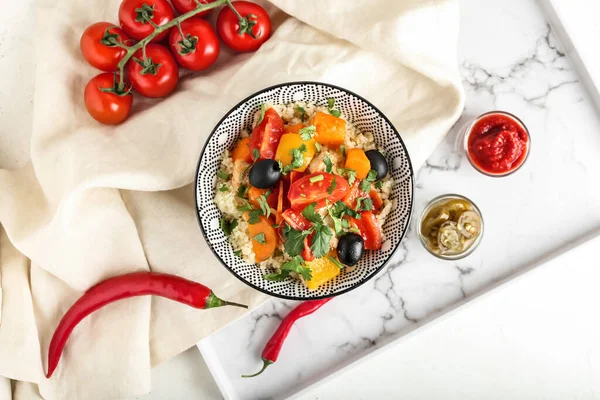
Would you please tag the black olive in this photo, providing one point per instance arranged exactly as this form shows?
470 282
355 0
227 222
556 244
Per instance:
350 248
264 174
378 163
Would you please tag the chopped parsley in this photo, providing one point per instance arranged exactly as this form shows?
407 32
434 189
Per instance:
223 188
296 265
331 105
243 191
332 187
343 149
311 214
260 238
245 171
254 217
238 253
318 147
379 185
255 154
308 132
263 109
351 174
264 205
294 240
364 204
328 164
336 262
322 234
221 174
297 160
365 185
337 212
316 178
245 207
354 230
301 111
227 226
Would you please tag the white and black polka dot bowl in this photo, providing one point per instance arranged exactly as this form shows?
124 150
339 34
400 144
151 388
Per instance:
365 117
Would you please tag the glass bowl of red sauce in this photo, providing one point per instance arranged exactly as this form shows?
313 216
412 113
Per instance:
497 143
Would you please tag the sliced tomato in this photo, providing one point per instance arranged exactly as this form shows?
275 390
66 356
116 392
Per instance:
304 192
369 230
377 201
307 252
265 137
295 220
353 194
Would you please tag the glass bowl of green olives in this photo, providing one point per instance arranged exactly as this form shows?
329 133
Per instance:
450 227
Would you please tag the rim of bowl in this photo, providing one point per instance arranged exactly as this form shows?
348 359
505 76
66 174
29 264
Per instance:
449 196
365 279
467 134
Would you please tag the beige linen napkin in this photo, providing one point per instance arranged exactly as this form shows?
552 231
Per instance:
99 201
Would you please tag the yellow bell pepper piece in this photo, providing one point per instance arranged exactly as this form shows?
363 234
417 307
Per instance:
291 141
323 270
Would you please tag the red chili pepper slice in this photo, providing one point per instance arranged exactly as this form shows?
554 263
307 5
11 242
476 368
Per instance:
125 286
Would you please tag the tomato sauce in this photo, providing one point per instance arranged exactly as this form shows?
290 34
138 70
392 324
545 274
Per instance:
497 144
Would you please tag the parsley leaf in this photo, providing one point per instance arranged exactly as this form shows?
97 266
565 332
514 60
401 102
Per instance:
238 253
264 205
338 209
367 204
294 240
372 176
302 112
263 108
223 175
379 185
297 159
243 191
254 217
330 105
260 238
298 266
223 188
332 187
245 206
359 201
328 164
320 240
346 224
365 186
227 226
310 214
351 174
308 132
277 277
343 149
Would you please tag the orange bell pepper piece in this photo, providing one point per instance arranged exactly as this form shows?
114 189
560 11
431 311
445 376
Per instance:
357 160
242 151
294 128
331 131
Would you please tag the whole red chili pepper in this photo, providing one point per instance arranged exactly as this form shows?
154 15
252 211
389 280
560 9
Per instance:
125 286
273 347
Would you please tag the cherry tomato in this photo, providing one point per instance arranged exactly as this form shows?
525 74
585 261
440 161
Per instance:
105 102
98 46
156 76
296 220
200 48
265 137
369 230
304 192
133 15
185 6
247 34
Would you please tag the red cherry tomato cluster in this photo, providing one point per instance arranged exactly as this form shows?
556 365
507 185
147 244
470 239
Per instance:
145 53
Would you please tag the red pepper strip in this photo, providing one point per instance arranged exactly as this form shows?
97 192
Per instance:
125 286
274 345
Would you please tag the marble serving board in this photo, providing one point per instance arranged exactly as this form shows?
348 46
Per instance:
510 59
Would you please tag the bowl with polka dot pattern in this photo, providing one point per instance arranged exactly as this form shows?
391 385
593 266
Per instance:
364 116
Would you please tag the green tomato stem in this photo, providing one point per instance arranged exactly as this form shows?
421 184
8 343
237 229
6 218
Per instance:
159 29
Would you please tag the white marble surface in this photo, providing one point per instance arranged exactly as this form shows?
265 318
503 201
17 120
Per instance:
510 61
